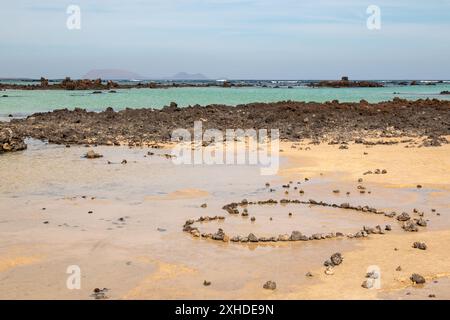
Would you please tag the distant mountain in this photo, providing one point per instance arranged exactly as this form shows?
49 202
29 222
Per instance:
188 76
112 74
118 74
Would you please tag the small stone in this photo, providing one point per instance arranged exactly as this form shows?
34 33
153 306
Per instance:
204 205
206 283
219 235
399 268
252 238
367 284
410 226
283 237
91 154
417 278
419 186
309 274
253 219
124 161
270 285
336 259
297 236
403 217
388 227
420 245
421 222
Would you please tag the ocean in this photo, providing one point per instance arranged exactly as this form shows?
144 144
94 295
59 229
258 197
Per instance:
21 103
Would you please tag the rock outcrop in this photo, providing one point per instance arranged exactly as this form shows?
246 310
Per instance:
10 142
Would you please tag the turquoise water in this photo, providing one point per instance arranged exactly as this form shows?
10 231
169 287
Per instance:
25 102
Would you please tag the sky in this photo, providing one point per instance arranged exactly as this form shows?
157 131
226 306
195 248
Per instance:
235 39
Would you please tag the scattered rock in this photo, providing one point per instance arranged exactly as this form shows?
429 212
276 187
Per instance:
100 293
403 217
219 235
421 222
410 226
270 285
420 245
417 278
329 271
367 284
206 283
10 142
91 154
336 259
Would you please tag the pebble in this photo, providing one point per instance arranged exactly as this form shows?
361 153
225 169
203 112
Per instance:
410 226
417 278
367 284
336 259
403 217
206 283
252 238
204 205
270 285
420 245
91 154
372 275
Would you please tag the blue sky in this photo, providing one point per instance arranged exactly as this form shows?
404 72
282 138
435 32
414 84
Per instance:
246 39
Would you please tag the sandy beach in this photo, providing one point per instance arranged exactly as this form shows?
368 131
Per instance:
122 223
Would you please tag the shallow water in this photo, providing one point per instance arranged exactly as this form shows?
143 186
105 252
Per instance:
25 102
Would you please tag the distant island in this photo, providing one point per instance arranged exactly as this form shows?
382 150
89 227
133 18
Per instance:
119 74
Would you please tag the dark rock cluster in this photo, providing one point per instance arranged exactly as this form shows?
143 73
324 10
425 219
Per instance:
343 122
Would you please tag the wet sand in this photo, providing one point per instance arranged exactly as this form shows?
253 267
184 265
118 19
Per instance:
122 224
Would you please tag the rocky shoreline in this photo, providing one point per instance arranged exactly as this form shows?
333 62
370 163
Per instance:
99 84
331 122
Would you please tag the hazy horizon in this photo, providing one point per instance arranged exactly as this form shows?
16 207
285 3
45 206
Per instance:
246 39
